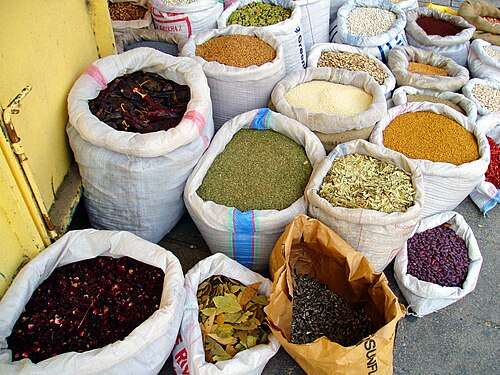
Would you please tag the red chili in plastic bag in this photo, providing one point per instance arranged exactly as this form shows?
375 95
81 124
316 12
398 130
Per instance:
493 173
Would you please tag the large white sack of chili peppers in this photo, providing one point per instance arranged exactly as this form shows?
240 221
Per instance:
237 90
484 60
186 18
247 236
143 351
189 353
486 195
438 258
135 181
363 28
288 32
446 184
378 235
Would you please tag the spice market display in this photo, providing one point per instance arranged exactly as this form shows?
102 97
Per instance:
435 151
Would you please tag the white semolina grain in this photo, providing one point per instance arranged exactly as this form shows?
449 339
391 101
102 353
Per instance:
329 97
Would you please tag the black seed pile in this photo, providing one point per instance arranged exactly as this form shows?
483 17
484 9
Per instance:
438 255
317 311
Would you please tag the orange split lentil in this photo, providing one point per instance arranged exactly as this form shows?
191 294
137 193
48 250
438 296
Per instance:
425 69
431 136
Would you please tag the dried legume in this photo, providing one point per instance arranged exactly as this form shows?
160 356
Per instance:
352 61
490 19
495 53
488 96
438 255
126 11
329 97
240 51
493 173
258 170
426 69
259 14
317 311
433 99
431 136
361 181
369 21
435 26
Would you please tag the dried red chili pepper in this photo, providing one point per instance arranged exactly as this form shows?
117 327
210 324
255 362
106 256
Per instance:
493 173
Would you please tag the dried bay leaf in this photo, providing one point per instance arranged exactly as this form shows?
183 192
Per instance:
251 341
260 299
223 340
249 293
227 303
231 350
209 311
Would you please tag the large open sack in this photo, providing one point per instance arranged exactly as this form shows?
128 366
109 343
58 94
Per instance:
309 247
481 64
482 102
134 181
169 43
248 236
426 297
143 351
473 11
189 354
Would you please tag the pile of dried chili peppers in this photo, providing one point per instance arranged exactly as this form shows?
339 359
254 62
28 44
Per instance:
493 173
141 102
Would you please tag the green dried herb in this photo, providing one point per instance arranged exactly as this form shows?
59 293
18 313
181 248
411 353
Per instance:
258 170
231 317
258 14
360 181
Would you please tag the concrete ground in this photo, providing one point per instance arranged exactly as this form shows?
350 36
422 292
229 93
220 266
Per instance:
461 339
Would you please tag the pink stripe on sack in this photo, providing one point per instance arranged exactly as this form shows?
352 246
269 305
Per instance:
206 141
96 74
197 118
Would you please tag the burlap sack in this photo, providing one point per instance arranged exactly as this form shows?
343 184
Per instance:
472 11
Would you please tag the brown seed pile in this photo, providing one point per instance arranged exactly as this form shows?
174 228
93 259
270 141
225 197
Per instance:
127 11
426 69
237 50
352 61
488 96
433 99
431 136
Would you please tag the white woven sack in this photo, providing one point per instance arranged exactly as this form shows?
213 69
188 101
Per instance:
145 23
485 195
315 53
424 297
249 236
186 18
169 43
135 181
237 90
288 32
378 45
143 351
315 22
188 354
400 97
482 65
446 185
455 47
400 57
467 91
407 5
324 122
379 236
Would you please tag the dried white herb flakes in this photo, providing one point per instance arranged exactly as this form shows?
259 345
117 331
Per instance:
361 181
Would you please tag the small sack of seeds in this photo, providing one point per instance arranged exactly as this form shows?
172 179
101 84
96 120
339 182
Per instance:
484 60
441 33
424 69
129 14
87 318
485 93
437 268
376 234
229 299
328 303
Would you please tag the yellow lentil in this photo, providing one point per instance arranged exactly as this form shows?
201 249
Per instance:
431 136
426 69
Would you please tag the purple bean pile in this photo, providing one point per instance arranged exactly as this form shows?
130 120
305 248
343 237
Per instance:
438 255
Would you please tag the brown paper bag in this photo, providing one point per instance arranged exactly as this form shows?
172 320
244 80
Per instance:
310 247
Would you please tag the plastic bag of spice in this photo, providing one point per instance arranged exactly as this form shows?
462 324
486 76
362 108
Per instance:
436 72
325 54
169 43
122 14
186 17
235 90
348 117
481 14
135 181
143 351
374 26
441 258
441 33
288 32
445 184
484 60
378 235
485 93
308 247
456 101
247 236
189 354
